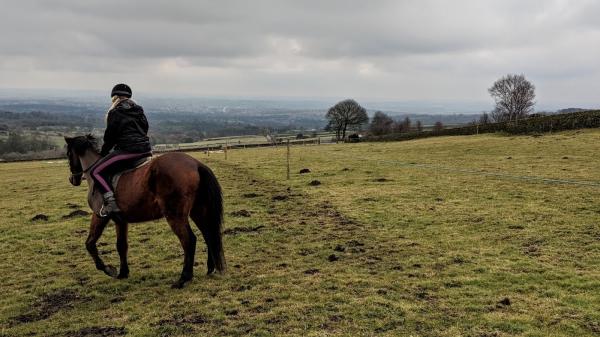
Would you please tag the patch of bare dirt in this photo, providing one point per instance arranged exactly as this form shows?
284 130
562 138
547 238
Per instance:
76 213
242 213
40 217
179 320
238 230
49 304
532 247
97 331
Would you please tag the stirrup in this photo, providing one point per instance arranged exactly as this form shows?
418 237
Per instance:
102 212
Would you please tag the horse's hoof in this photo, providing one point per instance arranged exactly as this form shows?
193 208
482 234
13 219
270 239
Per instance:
122 275
178 285
110 271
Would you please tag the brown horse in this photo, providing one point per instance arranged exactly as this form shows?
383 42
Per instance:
175 186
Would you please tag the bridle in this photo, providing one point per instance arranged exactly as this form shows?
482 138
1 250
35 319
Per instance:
78 175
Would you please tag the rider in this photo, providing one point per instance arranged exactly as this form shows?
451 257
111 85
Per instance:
126 132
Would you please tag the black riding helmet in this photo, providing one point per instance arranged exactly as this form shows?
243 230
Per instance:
121 89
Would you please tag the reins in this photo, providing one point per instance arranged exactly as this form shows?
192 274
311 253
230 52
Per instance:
79 174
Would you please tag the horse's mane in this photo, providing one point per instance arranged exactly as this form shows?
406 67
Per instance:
82 143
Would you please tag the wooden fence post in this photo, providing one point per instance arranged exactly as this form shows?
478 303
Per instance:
226 150
288 159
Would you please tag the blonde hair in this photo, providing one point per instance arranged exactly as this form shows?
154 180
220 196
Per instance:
115 100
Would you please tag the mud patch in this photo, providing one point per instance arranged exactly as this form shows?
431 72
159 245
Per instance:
355 243
315 183
81 231
339 248
238 230
242 213
49 304
232 312
72 205
97 331
304 170
381 180
179 320
532 247
76 213
593 326
39 217
505 302
250 195
280 197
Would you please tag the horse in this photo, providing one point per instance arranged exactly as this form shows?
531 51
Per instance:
174 186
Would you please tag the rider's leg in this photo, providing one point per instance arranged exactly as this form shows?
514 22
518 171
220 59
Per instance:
113 162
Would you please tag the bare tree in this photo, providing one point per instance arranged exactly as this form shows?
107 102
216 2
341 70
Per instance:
438 126
381 124
406 124
514 96
484 119
344 115
403 125
419 126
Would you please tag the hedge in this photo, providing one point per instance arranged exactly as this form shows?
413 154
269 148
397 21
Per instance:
537 124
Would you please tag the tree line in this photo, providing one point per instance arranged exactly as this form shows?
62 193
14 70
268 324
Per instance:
513 95
18 142
349 115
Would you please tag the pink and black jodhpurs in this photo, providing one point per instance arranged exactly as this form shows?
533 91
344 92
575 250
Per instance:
114 162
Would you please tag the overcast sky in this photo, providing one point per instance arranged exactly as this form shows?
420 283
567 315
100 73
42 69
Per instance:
388 50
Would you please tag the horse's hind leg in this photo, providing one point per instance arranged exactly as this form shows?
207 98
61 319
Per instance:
122 246
210 262
97 226
181 227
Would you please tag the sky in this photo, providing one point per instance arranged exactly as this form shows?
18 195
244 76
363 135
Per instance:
398 50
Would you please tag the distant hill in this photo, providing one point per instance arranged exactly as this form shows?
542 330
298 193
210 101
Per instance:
570 110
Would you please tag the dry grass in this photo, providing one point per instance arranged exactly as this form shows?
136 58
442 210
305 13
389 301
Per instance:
381 247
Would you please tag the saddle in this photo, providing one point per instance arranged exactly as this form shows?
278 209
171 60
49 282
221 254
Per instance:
95 200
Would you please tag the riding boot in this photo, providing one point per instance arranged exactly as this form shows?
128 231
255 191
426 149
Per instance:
110 205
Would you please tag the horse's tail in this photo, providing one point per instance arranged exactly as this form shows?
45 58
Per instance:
209 207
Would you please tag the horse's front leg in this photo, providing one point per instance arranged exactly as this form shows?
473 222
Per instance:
96 228
121 227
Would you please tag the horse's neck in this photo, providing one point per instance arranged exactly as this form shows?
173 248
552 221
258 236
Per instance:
87 160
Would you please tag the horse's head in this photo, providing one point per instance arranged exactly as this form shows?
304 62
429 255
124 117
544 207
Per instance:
76 148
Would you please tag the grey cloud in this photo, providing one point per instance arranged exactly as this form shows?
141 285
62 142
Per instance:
396 49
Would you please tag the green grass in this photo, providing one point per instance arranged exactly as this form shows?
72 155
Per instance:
419 250
242 140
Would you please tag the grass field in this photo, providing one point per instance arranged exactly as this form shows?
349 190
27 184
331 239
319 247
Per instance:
416 238
243 140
